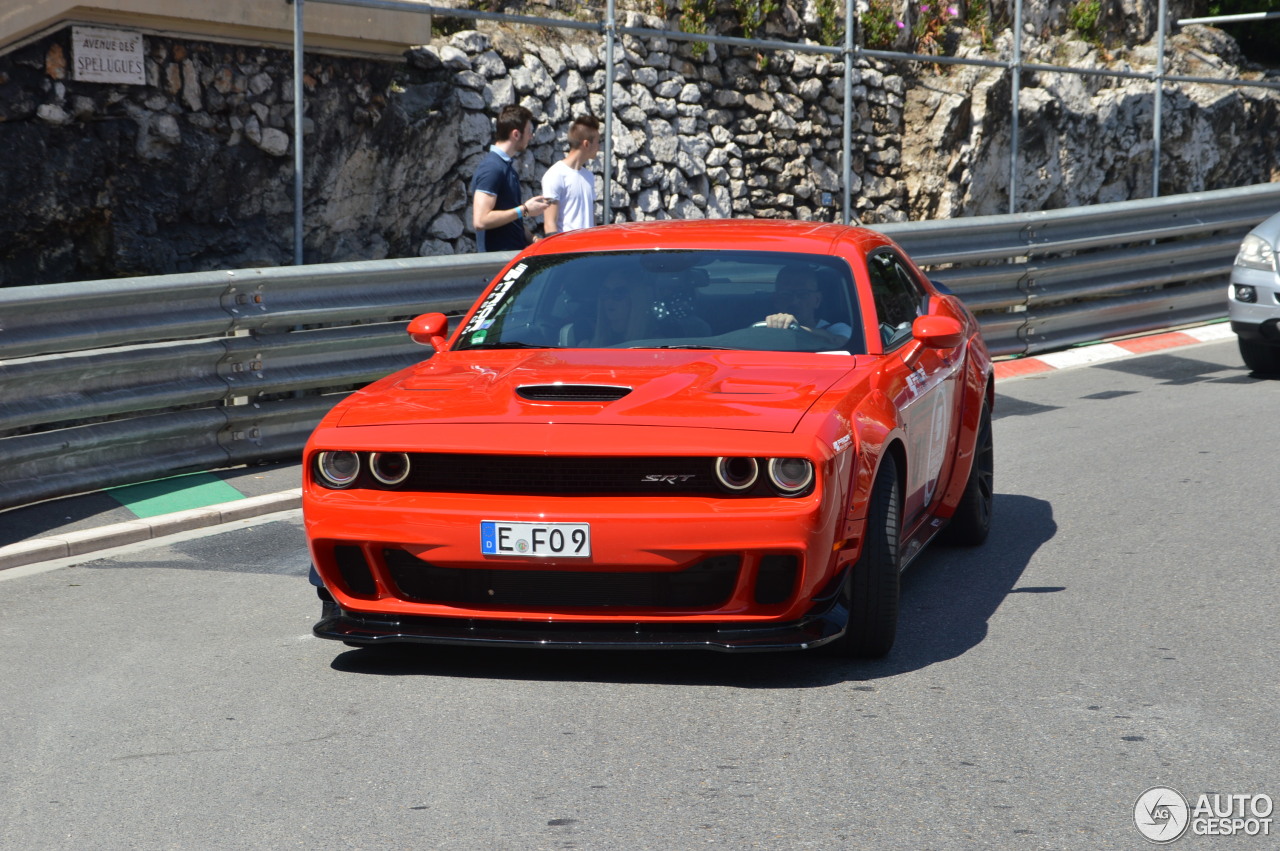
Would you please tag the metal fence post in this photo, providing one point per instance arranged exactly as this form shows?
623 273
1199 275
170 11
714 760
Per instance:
1157 119
1016 82
847 144
298 39
609 33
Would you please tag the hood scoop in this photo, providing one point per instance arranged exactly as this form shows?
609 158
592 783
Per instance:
572 392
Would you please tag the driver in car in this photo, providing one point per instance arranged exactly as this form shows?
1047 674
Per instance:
796 299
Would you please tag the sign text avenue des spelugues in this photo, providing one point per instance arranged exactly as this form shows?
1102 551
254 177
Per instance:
107 56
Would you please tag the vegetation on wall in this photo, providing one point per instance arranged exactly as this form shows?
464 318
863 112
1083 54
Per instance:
830 21
880 25
930 29
752 14
1085 17
927 27
694 18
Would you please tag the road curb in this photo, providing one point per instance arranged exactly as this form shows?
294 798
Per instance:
133 531
1099 352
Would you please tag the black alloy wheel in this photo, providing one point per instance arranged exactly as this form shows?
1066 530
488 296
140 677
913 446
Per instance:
872 587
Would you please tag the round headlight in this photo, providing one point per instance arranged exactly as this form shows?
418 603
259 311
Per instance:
390 468
737 474
790 475
338 469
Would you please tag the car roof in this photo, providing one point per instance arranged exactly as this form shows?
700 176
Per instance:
728 234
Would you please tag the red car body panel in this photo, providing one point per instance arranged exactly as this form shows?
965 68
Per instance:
843 412
760 391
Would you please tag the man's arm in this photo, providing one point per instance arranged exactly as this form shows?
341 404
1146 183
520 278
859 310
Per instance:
485 217
553 191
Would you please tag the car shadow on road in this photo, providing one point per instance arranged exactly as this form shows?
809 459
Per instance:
948 596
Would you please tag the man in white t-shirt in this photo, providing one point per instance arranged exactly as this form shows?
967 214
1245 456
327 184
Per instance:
569 186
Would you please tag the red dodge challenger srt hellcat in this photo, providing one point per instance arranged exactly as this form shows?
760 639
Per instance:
728 435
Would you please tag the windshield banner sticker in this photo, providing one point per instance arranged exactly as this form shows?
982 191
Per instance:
482 316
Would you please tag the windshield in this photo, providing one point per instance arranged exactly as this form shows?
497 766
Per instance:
716 299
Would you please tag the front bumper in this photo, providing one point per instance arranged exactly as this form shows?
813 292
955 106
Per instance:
1248 317
824 623
1266 332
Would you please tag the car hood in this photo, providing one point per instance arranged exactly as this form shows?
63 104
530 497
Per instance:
757 391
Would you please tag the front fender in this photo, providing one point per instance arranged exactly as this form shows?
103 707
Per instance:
876 427
978 389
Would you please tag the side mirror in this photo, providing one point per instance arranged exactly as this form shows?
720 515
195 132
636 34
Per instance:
938 332
428 329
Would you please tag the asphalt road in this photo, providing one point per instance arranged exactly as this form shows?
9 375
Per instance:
1117 632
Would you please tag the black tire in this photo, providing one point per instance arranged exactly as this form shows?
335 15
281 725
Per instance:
871 590
971 523
1260 357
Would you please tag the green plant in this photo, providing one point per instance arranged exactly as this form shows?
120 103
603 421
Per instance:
1085 17
694 15
931 25
981 21
752 14
830 21
879 26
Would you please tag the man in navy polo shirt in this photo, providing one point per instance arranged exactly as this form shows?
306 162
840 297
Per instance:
496 212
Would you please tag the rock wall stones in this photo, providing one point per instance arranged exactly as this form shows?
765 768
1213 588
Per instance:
1088 139
714 136
1125 21
194 171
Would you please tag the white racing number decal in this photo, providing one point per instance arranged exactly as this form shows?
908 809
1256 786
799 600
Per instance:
939 432
483 316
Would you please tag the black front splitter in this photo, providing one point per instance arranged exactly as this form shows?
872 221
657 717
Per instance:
819 627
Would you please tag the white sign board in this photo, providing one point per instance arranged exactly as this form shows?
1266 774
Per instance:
107 56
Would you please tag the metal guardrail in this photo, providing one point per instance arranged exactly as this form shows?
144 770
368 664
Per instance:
105 383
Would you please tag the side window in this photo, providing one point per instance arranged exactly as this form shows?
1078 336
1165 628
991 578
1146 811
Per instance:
898 295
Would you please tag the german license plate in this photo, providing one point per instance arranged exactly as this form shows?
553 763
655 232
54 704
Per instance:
539 540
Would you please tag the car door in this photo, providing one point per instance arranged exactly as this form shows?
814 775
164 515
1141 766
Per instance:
924 390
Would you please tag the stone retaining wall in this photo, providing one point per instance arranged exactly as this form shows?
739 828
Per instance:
194 170
715 136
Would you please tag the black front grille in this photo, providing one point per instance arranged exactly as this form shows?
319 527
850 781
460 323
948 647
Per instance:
540 474
776 579
705 585
354 570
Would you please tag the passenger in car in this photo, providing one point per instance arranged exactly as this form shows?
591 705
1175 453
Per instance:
797 297
623 313
674 308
